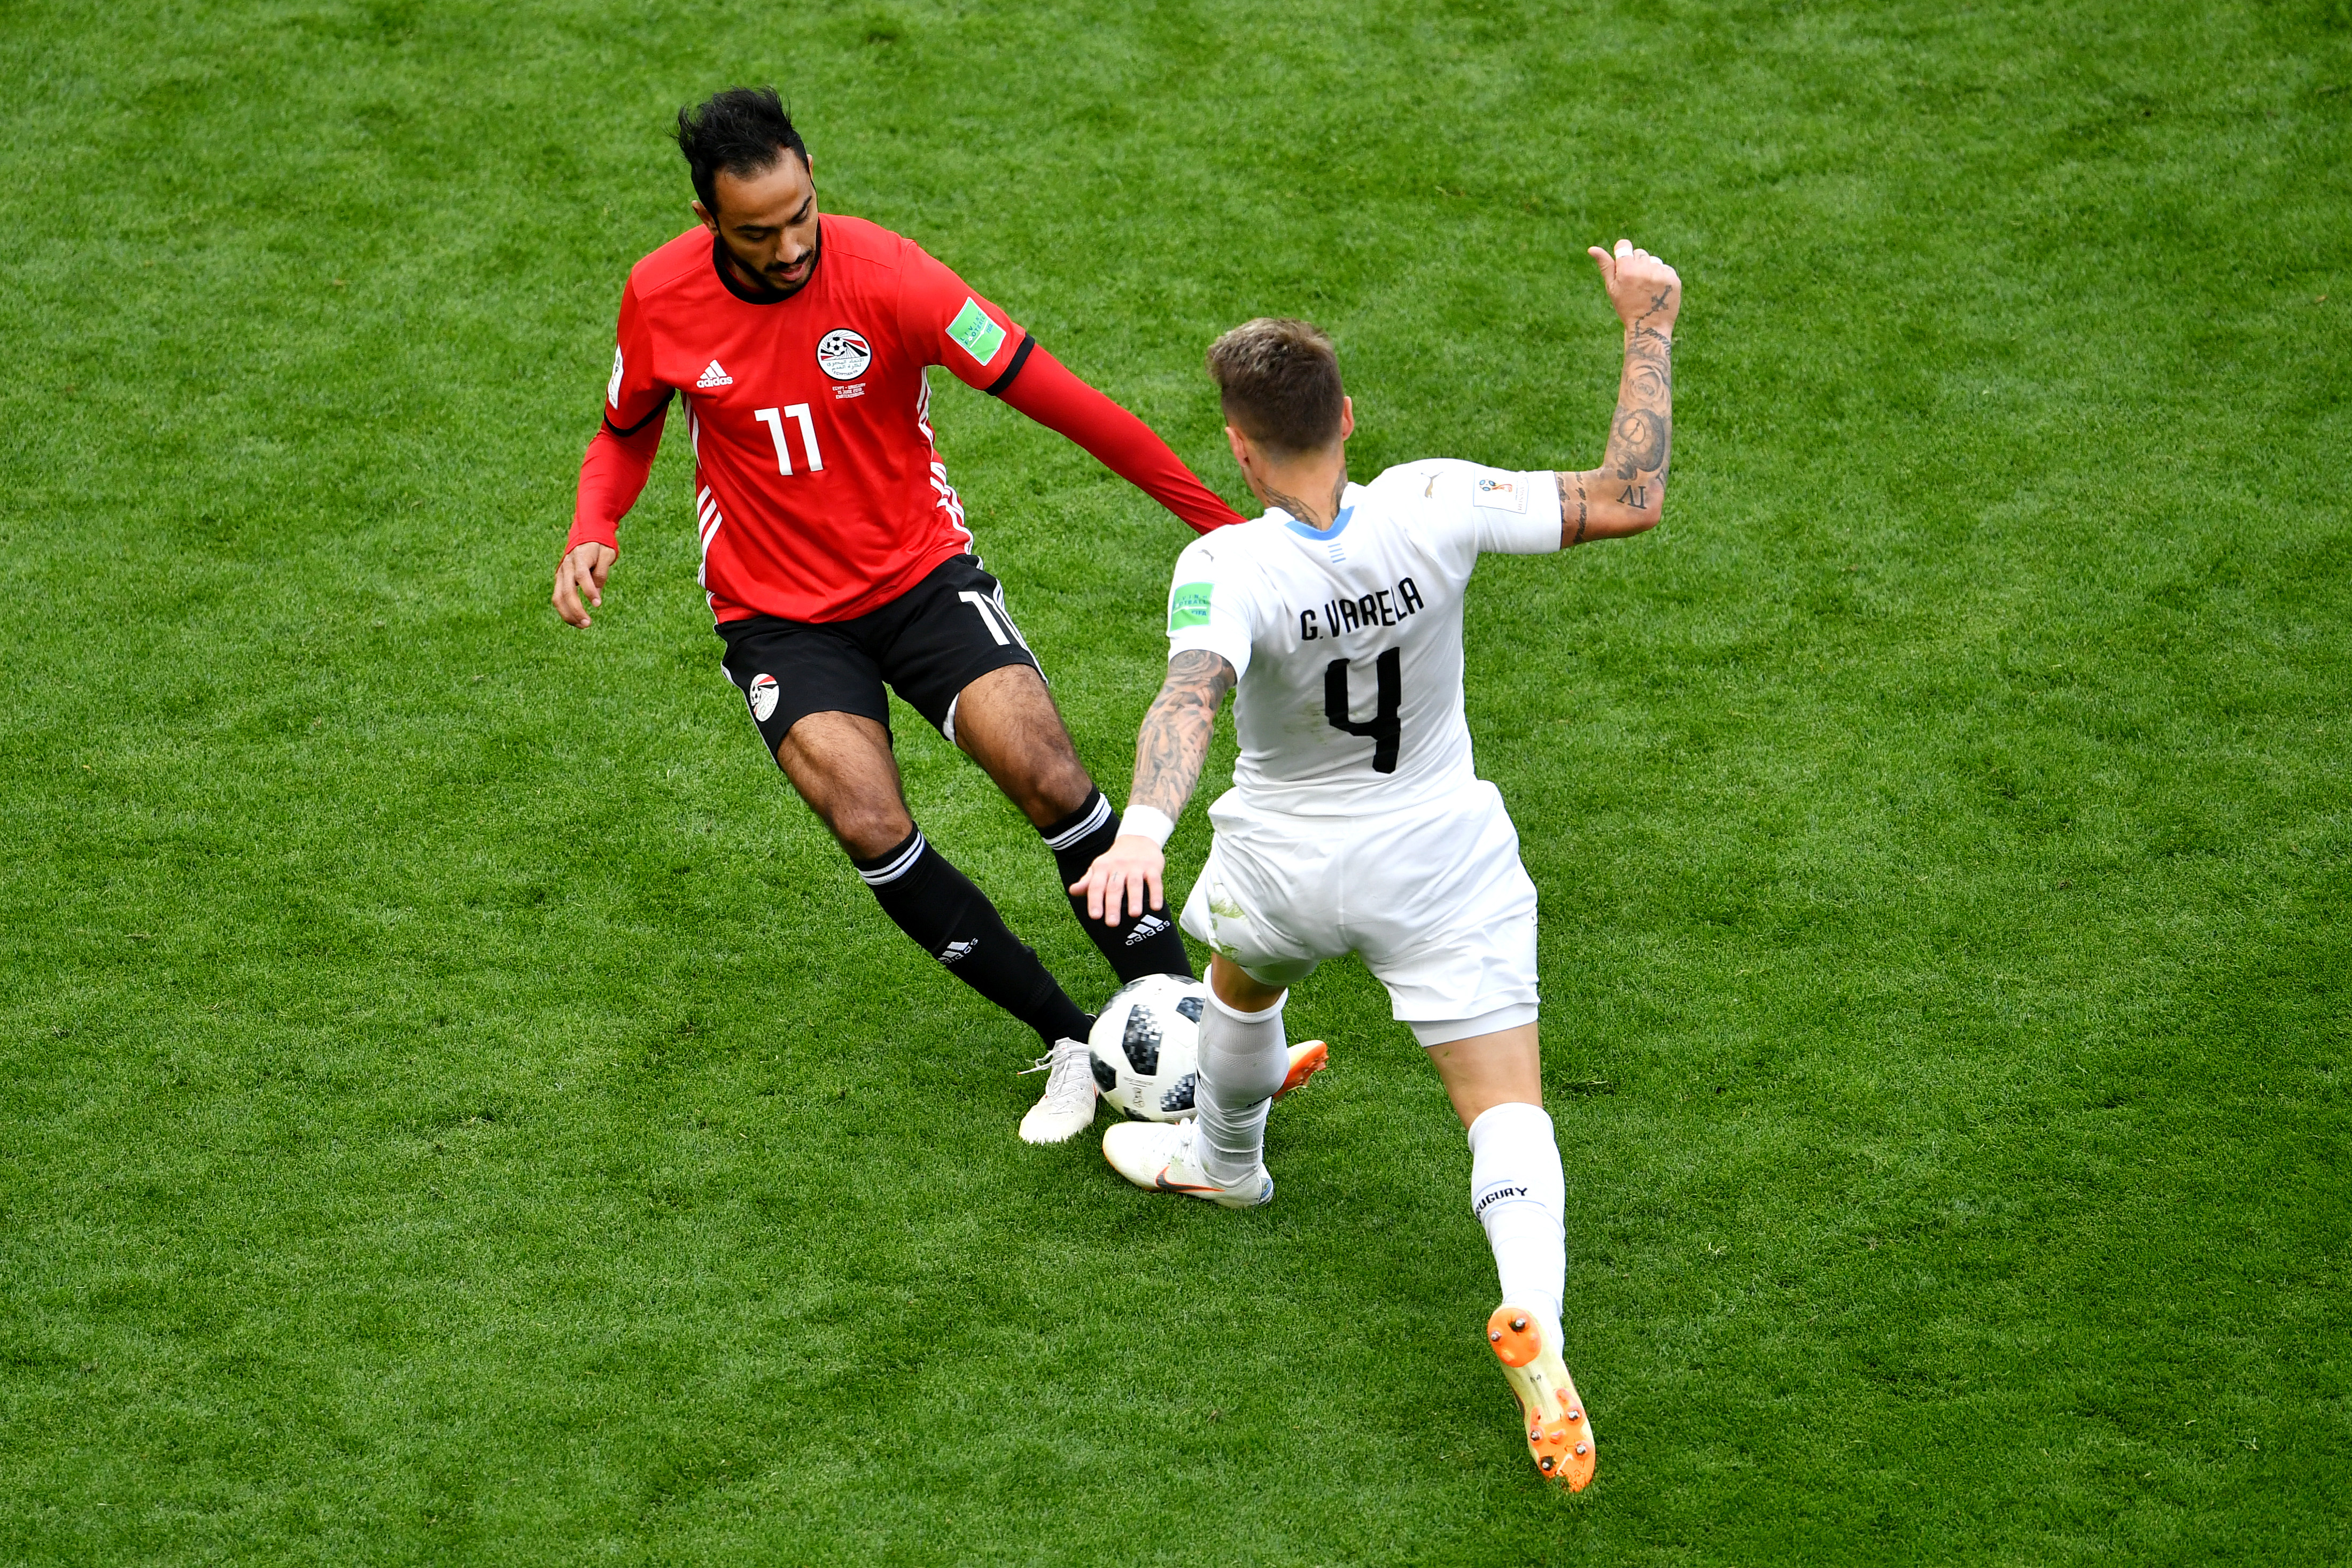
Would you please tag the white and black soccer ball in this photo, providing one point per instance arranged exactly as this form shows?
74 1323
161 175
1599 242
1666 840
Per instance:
1147 1045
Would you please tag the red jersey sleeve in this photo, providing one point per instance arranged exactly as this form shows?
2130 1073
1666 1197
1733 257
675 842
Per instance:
946 324
1051 394
943 319
613 472
633 396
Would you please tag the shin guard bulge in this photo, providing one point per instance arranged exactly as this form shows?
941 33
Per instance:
954 923
1520 1196
1137 945
1243 1061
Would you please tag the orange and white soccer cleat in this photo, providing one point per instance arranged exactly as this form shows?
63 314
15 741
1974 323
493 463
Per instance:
1307 1058
1551 1412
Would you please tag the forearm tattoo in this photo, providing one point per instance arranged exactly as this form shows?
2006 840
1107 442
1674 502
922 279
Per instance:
1641 432
1174 741
1641 437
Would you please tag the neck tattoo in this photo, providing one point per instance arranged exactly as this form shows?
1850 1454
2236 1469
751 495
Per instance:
1306 513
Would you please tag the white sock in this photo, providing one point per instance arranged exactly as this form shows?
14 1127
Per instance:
1520 1196
1244 1059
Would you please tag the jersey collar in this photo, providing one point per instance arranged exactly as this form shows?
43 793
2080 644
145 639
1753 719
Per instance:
726 274
1320 536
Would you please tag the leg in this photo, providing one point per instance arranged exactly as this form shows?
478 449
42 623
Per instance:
1517 1189
1006 721
1244 1059
1239 989
1453 940
1520 1196
842 765
1488 1070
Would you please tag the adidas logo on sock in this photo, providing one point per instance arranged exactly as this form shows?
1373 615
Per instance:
714 376
956 950
1145 928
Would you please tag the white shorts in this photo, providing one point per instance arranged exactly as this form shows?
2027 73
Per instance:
1432 897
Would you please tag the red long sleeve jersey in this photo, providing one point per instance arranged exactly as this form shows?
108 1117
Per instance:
819 492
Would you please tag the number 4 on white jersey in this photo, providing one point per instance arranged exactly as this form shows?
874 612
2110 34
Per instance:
774 420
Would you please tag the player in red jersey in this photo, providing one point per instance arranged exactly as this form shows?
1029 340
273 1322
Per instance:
835 551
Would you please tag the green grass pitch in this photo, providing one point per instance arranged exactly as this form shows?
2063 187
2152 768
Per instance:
456 1107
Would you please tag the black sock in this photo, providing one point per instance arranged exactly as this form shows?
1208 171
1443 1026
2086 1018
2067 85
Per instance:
1151 945
954 923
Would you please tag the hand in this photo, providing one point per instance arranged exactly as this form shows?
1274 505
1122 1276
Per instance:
1121 874
1645 291
580 575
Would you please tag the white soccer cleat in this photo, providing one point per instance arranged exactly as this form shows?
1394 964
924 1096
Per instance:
1067 1107
1551 1412
1158 1157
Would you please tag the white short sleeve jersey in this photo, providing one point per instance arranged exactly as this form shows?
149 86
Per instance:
1347 640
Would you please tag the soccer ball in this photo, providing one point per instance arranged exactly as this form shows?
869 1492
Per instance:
1146 1042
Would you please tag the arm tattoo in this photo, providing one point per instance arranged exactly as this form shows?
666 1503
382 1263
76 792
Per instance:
1174 740
1641 435
1639 443
1582 515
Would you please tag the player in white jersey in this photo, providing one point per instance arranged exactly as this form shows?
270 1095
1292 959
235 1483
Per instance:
1356 821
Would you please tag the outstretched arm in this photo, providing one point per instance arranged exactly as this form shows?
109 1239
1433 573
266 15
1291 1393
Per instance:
1051 394
1627 493
1168 751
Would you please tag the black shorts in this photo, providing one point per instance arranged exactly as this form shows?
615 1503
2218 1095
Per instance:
927 645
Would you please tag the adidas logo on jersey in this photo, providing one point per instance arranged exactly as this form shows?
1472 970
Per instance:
1145 928
714 376
956 950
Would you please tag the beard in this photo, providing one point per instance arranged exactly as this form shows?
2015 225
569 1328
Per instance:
769 286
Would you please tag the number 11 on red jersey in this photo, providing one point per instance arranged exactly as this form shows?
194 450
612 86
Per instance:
774 420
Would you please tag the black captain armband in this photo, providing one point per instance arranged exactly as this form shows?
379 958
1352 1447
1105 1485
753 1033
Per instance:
659 408
1020 357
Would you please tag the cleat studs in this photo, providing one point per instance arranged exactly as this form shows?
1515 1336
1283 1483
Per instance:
1582 1447
1576 1416
1547 1461
1495 1336
1518 1325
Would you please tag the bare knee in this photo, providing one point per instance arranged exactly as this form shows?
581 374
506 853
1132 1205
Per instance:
1239 989
1006 721
1051 790
867 831
841 764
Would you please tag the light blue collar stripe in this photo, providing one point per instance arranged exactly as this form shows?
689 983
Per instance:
1318 534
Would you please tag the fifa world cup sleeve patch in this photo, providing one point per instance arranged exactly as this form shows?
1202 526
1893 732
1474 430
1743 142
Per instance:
1500 492
975 333
1189 606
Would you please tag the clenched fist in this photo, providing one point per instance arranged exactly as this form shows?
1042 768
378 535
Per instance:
1644 290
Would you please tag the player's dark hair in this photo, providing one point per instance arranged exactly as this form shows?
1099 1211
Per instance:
1279 382
743 130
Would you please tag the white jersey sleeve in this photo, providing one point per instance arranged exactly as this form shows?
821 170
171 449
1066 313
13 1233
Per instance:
1468 508
1215 603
